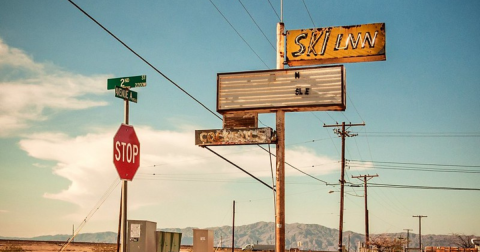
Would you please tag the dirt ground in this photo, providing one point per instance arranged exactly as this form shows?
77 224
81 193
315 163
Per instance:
48 246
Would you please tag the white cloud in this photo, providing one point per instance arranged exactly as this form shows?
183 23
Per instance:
172 167
31 90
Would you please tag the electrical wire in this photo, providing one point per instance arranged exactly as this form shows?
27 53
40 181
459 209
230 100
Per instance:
238 33
92 212
270 42
274 10
230 162
144 60
306 8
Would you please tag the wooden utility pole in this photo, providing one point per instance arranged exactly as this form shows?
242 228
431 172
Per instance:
280 153
408 237
366 178
342 133
420 230
233 228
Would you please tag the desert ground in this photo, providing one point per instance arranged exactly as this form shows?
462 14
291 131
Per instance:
48 246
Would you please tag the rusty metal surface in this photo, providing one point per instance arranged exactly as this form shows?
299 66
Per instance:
342 44
234 136
240 120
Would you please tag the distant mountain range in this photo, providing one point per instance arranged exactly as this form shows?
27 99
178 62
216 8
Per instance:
303 236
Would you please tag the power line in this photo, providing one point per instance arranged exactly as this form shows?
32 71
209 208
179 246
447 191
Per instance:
424 134
144 60
311 19
273 47
238 33
420 164
230 162
274 10
424 187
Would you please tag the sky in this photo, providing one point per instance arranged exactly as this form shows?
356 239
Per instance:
420 109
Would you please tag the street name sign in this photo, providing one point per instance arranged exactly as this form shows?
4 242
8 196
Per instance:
126 152
293 89
126 93
342 44
215 137
130 82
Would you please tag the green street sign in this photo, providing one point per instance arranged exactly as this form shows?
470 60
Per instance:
126 93
132 81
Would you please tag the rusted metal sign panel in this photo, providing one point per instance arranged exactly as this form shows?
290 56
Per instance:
240 120
342 44
301 89
234 136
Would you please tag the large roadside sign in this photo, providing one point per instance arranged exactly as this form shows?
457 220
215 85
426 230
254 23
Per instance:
342 44
294 89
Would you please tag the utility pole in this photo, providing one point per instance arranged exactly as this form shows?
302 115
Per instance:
233 228
342 133
408 237
420 229
280 153
366 178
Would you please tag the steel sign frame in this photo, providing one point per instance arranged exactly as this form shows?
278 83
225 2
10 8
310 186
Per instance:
342 44
295 89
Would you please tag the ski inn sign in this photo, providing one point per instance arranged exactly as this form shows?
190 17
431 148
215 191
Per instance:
343 44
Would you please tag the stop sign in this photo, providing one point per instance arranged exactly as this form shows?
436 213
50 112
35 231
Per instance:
126 152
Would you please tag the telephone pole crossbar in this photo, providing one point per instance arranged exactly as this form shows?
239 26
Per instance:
365 179
342 133
420 229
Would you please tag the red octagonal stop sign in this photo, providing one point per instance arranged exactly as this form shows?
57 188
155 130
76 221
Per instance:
126 152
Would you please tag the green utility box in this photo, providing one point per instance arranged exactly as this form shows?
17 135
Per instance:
168 241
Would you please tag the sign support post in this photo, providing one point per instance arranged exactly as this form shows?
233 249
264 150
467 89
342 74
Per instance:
122 87
280 156
126 111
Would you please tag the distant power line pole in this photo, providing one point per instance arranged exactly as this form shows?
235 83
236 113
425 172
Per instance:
233 228
408 237
365 179
342 133
420 229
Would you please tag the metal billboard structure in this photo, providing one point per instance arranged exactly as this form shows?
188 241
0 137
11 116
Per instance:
299 89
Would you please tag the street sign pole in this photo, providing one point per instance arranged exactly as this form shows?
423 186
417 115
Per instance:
122 87
125 187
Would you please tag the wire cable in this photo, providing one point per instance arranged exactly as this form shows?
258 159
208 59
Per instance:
304 4
274 10
230 162
238 33
273 47
144 60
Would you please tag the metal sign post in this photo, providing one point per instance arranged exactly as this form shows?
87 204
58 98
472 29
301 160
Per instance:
122 87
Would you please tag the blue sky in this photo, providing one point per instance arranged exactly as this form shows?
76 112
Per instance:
58 119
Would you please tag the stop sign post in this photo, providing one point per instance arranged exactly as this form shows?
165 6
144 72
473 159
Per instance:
126 152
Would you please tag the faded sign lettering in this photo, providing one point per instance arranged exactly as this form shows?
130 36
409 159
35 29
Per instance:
233 136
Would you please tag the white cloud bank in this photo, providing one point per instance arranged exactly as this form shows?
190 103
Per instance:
171 167
31 90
